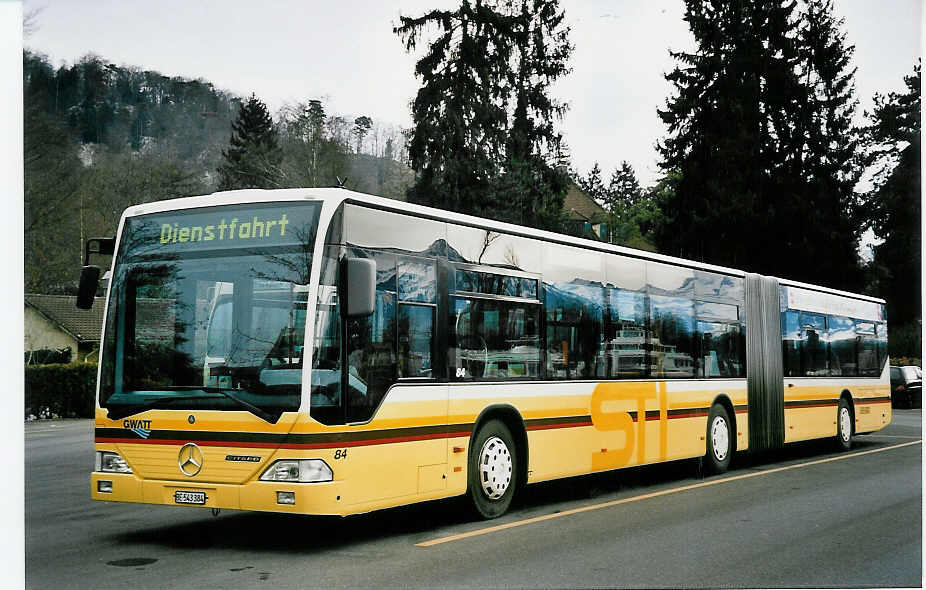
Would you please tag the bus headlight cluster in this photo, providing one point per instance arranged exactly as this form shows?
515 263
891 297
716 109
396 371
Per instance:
110 462
298 470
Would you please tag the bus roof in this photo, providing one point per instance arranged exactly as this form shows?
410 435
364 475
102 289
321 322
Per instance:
339 195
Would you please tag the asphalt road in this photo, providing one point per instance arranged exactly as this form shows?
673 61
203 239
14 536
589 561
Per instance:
805 516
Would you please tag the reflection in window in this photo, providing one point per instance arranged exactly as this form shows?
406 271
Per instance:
721 350
664 279
709 284
813 344
842 346
791 343
868 365
375 228
573 285
881 335
487 283
417 280
574 330
625 273
624 348
493 339
490 248
671 341
416 335
371 357
326 353
720 311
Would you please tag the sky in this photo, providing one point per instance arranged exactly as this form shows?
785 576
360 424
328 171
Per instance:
345 52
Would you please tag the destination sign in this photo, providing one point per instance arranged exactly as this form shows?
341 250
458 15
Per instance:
232 226
256 228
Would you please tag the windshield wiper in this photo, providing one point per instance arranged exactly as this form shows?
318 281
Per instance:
116 413
263 415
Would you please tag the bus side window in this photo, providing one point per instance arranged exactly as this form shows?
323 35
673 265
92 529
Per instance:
326 402
843 353
867 349
371 343
813 345
417 291
791 343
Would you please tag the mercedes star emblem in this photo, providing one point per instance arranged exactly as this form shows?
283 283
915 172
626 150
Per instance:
190 459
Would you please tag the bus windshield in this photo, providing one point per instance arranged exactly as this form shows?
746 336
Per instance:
207 310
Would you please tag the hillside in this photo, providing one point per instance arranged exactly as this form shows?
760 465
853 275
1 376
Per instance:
101 137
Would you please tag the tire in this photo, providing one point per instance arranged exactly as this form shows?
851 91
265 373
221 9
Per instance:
719 440
493 470
843 426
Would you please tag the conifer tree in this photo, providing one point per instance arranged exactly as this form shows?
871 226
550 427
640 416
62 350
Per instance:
535 179
623 189
761 142
894 206
592 185
483 140
361 128
253 157
459 120
631 211
721 121
822 166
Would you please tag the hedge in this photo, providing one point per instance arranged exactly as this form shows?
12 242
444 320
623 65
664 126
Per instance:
48 356
62 391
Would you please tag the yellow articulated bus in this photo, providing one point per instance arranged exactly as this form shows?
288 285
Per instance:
320 351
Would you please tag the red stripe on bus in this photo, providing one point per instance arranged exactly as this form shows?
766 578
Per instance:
698 414
271 445
550 426
802 406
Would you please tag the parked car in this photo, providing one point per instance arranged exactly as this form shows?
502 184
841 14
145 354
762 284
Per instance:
906 387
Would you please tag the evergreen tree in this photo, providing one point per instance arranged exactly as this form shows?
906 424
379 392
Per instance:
623 189
315 123
822 166
535 179
483 140
361 128
632 213
722 123
458 138
894 206
592 184
253 157
761 143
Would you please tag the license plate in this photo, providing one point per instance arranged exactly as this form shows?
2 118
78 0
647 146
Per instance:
182 497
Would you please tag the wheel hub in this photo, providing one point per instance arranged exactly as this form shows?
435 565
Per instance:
845 424
720 438
495 468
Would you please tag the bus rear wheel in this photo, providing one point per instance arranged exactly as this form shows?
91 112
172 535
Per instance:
493 468
843 426
719 440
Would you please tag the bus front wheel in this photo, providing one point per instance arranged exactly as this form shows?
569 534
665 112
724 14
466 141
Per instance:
719 440
493 468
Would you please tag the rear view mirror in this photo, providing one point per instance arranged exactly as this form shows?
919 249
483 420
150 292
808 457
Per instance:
90 275
358 287
89 281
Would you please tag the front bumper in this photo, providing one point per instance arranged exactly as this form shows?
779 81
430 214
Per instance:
310 498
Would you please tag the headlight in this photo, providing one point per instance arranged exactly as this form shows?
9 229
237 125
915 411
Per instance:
298 470
111 462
